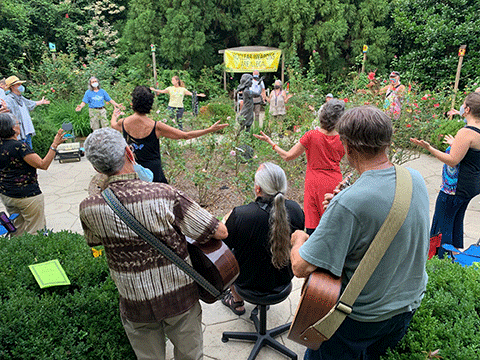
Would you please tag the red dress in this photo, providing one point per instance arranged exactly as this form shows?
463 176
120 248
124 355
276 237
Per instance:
324 153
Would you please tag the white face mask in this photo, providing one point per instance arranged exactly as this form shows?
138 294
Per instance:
95 84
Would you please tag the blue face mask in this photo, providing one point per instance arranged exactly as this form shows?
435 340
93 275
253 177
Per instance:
143 173
21 88
8 92
462 110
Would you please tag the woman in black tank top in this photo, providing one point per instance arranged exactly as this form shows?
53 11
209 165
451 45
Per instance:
465 153
147 147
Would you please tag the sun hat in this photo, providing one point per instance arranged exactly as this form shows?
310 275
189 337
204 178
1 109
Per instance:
394 73
329 95
13 80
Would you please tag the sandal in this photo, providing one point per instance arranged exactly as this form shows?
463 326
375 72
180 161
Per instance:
230 302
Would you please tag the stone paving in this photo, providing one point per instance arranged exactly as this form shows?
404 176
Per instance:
66 185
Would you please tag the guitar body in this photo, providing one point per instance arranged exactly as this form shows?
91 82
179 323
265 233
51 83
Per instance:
216 263
320 294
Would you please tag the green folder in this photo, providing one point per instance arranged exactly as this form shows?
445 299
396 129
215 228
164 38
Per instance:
49 274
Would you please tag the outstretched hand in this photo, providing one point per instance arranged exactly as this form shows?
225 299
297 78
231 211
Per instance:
421 143
448 139
217 126
117 112
263 137
59 137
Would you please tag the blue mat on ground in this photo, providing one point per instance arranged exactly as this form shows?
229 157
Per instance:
464 258
3 230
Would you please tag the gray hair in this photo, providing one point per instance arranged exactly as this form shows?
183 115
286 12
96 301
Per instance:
90 87
272 180
331 112
7 122
278 82
105 149
366 129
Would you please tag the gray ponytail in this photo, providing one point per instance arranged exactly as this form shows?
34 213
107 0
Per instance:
272 180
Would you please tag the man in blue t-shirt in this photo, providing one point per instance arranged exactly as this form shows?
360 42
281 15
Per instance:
96 97
384 308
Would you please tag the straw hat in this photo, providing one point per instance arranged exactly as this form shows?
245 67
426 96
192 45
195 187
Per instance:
13 80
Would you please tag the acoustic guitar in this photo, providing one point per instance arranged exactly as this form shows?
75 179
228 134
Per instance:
320 294
216 263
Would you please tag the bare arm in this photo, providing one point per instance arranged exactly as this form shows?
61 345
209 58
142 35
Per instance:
158 91
4 107
116 123
39 163
300 267
460 146
172 133
120 106
80 107
297 150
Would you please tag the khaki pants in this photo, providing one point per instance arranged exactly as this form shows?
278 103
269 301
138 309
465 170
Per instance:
184 331
98 118
31 212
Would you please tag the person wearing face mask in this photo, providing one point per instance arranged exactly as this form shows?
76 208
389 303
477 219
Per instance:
96 97
393 96
461 110
460 176
20 108
277 99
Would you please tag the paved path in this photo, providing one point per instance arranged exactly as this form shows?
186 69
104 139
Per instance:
66 185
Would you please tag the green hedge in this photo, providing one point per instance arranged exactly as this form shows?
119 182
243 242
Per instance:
80 321
448 319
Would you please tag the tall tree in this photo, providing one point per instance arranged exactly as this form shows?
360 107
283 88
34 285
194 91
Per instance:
427 35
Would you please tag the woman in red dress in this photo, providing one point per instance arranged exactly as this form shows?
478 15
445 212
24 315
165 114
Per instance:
324 151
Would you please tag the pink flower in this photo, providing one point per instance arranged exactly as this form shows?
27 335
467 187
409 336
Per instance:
233 153
53 90
229 117
66 15
434 115
371 75
345 100
311 96
436 105
408 125
366 103
163 120
296 128
84 65
158 111
424 98
314 51
317 128
415 104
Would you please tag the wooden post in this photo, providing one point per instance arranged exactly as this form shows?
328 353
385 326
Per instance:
283 66
365 49
461 54
154 65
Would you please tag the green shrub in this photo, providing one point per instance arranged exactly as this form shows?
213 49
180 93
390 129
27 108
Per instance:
448 319
79 321
447 128
45 131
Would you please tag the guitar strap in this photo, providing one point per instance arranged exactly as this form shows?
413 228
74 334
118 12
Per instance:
326 327
123 213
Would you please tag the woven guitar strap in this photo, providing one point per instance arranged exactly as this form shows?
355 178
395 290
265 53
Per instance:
123 213
395 218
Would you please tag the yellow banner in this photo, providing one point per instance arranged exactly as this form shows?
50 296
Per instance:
242 61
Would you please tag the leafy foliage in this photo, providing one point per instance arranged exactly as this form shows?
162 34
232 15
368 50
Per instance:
448 319
427 35
78 321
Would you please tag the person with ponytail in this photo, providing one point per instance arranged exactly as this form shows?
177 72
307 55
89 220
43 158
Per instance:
175 104
259 236
324 151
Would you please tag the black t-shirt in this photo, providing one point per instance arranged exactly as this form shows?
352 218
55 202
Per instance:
17 178
248 239
468 185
